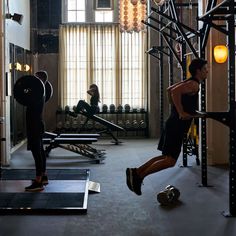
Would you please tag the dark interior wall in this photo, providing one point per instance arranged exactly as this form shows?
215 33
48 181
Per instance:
45 22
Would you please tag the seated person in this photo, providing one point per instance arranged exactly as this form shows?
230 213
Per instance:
91 108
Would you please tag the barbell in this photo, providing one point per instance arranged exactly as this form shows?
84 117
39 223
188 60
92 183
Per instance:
30 90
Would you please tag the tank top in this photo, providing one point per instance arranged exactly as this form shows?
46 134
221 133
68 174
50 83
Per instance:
189 101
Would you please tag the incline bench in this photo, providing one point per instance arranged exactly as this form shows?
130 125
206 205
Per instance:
109 126
78 143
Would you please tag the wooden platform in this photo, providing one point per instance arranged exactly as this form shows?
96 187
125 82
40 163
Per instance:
67 192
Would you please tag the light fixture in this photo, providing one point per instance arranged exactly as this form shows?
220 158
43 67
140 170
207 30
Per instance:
26 67
16 17
220 53
131 14
18 66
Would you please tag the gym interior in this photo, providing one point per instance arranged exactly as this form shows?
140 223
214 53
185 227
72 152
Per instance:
133 50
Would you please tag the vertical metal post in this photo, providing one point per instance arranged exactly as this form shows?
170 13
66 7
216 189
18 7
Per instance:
171 61
161 80
184 77
232 108
202 106
203 136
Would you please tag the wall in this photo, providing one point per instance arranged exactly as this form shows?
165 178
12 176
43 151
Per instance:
45 21
19 35
216 99
16 33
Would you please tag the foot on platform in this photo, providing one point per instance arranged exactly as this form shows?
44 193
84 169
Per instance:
35 187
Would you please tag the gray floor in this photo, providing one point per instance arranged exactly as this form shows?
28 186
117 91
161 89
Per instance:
117 211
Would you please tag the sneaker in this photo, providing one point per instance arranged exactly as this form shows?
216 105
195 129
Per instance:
129 178
136 182
34 187
44 180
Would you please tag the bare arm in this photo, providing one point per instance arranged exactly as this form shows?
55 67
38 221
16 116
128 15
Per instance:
190 87
168 90
90 92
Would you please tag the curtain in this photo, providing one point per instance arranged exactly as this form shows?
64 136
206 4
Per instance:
100 54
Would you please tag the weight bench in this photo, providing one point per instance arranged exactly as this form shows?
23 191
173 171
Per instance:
66 135
109 126
78 143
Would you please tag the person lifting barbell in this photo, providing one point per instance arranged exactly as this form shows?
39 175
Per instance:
33 91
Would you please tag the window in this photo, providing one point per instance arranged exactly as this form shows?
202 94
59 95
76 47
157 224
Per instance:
75 11
103 16
88 11
100 54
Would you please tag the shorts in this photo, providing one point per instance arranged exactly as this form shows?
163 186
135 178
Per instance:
172 136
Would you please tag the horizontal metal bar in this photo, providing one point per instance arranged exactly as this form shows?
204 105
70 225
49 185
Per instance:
175 21
164 33
164 25
219 28
160 49
154 55
213 10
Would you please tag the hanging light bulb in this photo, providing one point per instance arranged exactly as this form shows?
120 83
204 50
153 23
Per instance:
26 67
134 2
220 53
18 66
131 14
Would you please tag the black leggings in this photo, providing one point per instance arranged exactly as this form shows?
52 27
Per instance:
39 156
82 105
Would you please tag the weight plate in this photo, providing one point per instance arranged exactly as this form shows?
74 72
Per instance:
48 91
29 90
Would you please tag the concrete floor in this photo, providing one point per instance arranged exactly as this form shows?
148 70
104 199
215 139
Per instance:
117 211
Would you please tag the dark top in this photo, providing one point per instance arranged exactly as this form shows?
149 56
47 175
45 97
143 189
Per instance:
172 136
189 101
94 101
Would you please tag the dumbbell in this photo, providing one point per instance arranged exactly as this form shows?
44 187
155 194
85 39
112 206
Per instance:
104 108
30 90
169 196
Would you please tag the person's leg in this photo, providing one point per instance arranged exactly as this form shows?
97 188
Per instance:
44 179
150 162
135 176
154 165
82 105
36 152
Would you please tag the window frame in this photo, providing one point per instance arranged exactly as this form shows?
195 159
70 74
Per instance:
103 8
89 13
65 13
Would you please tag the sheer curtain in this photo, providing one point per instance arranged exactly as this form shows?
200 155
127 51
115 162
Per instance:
100 54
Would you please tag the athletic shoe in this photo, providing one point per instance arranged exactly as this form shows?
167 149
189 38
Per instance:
35 187
129 178
136 182
44 180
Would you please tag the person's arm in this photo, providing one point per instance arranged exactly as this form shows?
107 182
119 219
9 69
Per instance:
190 87
168 90
90 92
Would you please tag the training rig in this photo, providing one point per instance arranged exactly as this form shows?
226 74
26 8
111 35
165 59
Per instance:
164 19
